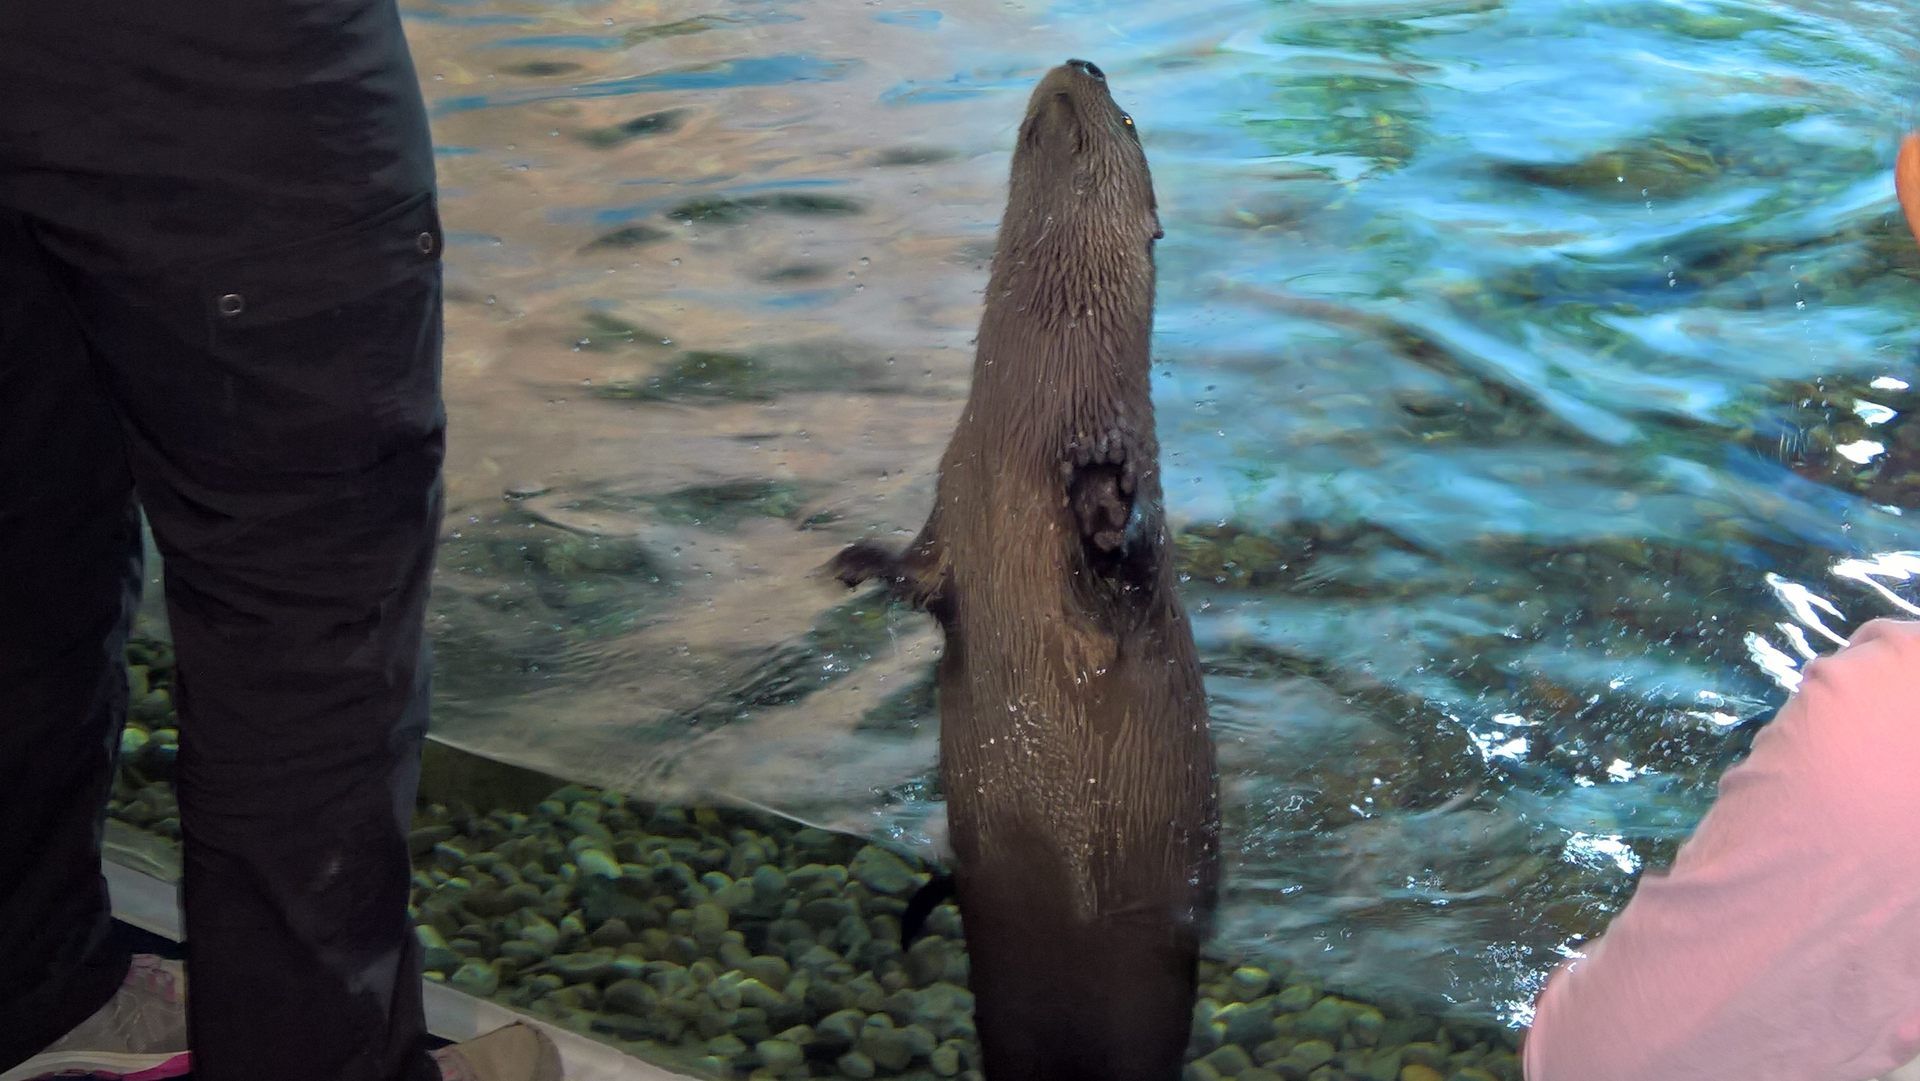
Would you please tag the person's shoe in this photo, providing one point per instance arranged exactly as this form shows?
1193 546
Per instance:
518 1052
139 1035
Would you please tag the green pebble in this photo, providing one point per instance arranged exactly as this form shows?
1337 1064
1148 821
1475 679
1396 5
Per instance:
890 1048
523 952
768 884
597 863
1296 997
883 872
435 953
1472 1073
1379 1066
578 968
1249 983
825 913
572 928
709 923
726 1046
541 933
476 978
1424 1053
133 740
1261 1073
840 1029
725 994
614 932
812 875
1326 1019
1200 1071
772 971
856 1065
779 1055
1366 1025
735 955
1229 1061
1309 1054
631 996
1248 1024
760 996
945 1060
682 950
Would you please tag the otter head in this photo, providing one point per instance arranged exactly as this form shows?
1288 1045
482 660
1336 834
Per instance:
1081 199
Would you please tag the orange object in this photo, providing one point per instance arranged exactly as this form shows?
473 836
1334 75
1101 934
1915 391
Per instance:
1906 181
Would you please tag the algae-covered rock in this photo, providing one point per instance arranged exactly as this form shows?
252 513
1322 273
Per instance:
883 872
855 1064
631 996
1366 1023
1297 997
841 1029
1308 1055
1325 1019
477 978
1248 983
779 1055
1420 1072
1380 1065
1229 1061
1425 1053
435 953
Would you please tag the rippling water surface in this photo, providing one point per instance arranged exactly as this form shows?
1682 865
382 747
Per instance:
1533 379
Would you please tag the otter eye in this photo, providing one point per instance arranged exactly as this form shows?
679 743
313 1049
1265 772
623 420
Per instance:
1127 119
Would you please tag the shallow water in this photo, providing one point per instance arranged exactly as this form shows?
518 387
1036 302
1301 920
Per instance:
1531 378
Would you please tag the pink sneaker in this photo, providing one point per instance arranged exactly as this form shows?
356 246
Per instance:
139 1035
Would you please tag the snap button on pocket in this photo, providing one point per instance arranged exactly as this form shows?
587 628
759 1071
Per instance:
232 304
425 243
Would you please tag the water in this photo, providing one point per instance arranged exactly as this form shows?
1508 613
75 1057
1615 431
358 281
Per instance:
1532 379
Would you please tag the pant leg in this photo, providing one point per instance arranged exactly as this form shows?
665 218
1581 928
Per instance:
284 425
69 578
240 199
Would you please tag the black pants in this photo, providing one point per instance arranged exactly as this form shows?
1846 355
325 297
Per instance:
220 303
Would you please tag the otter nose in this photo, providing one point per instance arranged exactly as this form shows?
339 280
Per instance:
1088 67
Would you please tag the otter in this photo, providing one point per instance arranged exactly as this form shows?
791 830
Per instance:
1075 753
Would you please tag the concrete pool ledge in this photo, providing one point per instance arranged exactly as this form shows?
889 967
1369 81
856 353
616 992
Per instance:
152 905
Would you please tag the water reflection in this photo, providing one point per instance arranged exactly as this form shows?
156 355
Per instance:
1532 384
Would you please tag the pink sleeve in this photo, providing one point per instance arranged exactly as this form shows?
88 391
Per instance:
1784 943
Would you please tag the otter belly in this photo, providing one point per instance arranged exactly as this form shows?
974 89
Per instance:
1083 843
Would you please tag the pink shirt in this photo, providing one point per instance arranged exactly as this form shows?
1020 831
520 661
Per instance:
1784 943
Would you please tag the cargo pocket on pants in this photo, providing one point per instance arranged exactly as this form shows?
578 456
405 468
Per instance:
327 350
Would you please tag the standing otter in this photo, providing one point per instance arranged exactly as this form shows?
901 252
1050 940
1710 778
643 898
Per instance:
1075 755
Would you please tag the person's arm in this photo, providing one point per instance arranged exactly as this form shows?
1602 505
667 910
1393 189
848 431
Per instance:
1784 944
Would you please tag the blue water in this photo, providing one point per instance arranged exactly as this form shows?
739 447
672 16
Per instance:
1551 357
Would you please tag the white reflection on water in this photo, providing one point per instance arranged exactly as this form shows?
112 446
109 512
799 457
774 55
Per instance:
1896 566
1779 667
1803 603
1861 451
1597 851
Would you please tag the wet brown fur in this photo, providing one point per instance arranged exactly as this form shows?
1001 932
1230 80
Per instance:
1075 756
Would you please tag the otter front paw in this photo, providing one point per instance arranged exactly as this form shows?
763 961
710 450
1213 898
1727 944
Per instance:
1116 447
862 562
